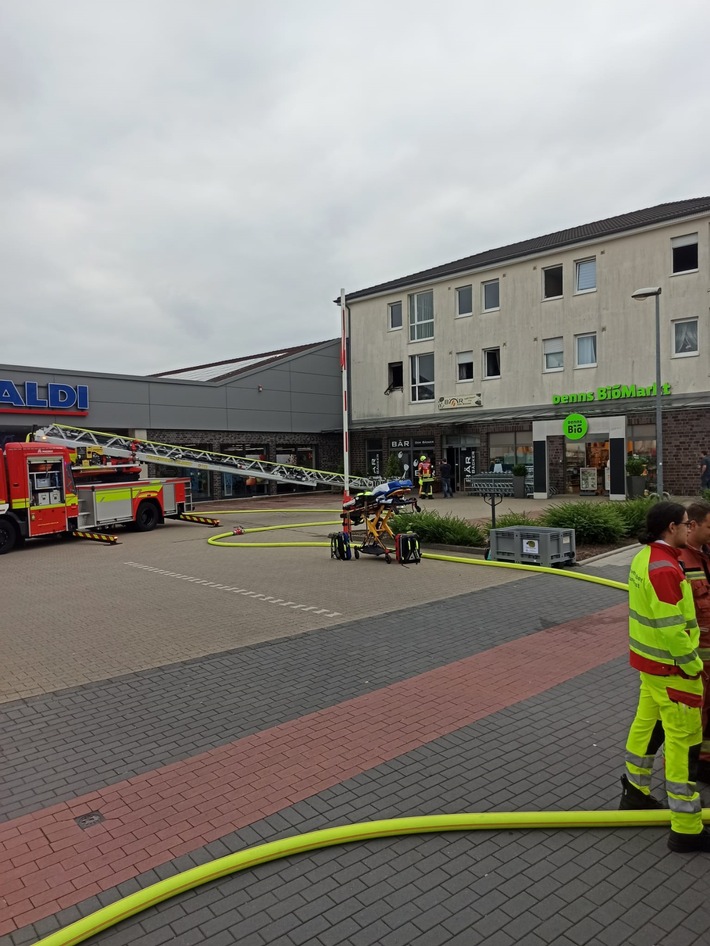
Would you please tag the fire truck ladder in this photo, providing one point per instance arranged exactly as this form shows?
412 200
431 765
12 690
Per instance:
146 451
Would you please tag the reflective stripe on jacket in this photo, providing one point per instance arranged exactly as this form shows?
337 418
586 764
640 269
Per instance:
663 631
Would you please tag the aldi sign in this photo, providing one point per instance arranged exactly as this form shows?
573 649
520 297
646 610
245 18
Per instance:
53 398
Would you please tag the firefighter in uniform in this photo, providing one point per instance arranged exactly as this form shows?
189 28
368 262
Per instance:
425 472
696 561
663 641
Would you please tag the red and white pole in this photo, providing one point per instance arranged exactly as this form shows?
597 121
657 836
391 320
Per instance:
344 375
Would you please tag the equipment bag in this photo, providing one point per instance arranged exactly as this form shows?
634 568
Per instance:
406 548
340 546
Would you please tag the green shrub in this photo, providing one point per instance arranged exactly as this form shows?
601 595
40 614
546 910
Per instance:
512 519
635 466
705 493
634 512
593 523
519 469
440 530
393 467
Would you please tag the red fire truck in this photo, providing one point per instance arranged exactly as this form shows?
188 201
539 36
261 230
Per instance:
40 495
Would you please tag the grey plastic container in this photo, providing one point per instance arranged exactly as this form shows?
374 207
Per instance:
533 546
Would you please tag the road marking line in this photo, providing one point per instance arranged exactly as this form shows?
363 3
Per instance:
256 595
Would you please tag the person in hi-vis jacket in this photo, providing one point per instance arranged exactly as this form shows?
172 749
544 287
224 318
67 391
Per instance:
663 647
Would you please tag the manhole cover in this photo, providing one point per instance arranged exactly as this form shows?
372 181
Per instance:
86 821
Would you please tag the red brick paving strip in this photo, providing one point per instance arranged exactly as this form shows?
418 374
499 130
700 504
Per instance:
50 863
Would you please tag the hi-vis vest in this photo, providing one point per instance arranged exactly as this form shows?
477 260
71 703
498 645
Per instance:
663 636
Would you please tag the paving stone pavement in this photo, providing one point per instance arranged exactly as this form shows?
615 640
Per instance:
542 744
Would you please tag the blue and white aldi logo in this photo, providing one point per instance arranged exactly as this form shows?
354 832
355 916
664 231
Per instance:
53 398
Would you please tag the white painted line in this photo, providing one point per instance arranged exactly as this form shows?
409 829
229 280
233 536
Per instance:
255 595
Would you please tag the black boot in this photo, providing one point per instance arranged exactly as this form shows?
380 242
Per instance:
686 843
633 799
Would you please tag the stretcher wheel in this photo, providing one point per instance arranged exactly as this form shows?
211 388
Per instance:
388 559
357 554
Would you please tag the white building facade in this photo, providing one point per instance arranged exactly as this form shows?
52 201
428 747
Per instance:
482 360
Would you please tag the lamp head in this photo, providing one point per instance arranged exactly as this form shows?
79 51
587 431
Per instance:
646 293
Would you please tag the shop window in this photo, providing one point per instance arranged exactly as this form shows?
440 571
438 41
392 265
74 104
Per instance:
464 301
507 449
685 253
552 282
373 450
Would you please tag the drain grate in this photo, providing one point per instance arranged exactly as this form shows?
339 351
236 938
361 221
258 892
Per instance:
87 821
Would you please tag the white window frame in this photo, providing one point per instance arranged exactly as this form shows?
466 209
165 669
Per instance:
589 364
487 376
547 269
577 264
417 326
459 313
390 307
416 385
558 350
484 306
685 354
464 358
688 239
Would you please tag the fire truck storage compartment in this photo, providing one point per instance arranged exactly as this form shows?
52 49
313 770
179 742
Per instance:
101 505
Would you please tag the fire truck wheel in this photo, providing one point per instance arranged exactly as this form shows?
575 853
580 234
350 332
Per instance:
147 517
8 536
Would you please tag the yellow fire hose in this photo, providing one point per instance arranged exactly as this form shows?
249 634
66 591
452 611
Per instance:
220 540
300 844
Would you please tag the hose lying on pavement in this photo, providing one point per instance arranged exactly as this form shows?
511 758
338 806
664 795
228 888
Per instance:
365 831
227 540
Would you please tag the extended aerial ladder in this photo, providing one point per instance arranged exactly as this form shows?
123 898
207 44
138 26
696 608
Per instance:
146 451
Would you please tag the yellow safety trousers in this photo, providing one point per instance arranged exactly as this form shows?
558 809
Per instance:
661 700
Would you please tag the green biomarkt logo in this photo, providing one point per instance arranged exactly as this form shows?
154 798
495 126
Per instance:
575 426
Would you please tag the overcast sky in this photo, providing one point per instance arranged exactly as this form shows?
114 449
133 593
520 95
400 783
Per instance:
183 181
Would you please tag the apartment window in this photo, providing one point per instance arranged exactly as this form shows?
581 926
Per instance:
552 282
422 367
464 366
490 295
685 253
394 310
553 354
395 376
585 275
464 301
491 362
421 316
586 347
685 337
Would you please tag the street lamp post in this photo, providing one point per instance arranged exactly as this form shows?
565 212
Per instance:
655 291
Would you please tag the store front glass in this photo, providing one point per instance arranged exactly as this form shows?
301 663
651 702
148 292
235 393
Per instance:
295 456
642 444
586 468
505 450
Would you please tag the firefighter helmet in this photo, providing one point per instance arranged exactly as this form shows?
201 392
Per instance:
422 457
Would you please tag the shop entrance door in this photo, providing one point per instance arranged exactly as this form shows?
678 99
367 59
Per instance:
586 467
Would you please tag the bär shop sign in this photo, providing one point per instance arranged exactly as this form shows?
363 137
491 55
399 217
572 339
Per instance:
610 392
53 398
